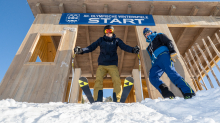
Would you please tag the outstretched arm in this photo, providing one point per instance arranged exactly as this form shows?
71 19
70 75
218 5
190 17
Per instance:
123 46
92 47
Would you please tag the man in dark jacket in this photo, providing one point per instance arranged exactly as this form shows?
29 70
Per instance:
108 62
163 55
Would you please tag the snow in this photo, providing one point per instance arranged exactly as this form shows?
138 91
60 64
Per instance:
203 108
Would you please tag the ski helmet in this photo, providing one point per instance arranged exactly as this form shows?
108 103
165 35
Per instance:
146 30
109 27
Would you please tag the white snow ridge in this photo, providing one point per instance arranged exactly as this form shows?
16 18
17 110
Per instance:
203 108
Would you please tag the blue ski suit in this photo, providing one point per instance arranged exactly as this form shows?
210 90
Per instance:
160 47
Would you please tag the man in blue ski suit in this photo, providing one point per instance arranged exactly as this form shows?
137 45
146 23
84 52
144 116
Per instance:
107 61
163 55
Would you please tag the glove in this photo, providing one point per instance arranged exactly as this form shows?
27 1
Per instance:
78 50
136 49
174 56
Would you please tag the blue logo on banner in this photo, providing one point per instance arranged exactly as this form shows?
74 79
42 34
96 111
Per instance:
107 19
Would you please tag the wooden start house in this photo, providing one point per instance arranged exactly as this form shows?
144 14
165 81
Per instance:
192 26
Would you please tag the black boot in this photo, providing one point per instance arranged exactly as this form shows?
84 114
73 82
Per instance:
114 97
188 95
166 93
100 96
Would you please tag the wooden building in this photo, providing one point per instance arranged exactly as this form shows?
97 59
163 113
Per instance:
187 23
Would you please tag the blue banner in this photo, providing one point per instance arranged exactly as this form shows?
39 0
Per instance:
107 19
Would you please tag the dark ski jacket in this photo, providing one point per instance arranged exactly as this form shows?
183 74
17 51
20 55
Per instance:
108 49
159 43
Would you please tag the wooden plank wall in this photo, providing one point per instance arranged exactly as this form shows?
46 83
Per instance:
45 81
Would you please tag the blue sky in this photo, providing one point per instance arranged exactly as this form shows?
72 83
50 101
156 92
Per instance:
16 19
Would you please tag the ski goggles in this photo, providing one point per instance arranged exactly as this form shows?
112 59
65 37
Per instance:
109 31
147 32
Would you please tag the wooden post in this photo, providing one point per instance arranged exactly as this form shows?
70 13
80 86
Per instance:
204 71
207 62
198 69
137 86
75 90
210 54
200 85
213 46
190 73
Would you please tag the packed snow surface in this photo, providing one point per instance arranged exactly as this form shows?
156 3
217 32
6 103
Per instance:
203 108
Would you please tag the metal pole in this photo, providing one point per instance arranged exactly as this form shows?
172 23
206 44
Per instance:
72 76
140 76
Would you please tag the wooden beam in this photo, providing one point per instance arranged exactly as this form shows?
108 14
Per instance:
203 69
181 35
210 55
213 45
75 87
137 85
124 40
209 66
106 8
190 73
39 8
172 10
84 8
88 43
188 21
90 54
198 70
76 63
194 73
214 11
151 12
194 11
61 7
194 39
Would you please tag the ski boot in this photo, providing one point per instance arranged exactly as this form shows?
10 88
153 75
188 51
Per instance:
166 93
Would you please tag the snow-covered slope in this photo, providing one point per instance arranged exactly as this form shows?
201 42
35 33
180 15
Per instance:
204 108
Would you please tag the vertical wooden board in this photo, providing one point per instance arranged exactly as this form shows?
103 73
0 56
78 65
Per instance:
45 95
63 84
70 44
40 74
26 92
7 93
60 68
80 96
18 82
42 86
137 85
75 86
31 85
23 83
